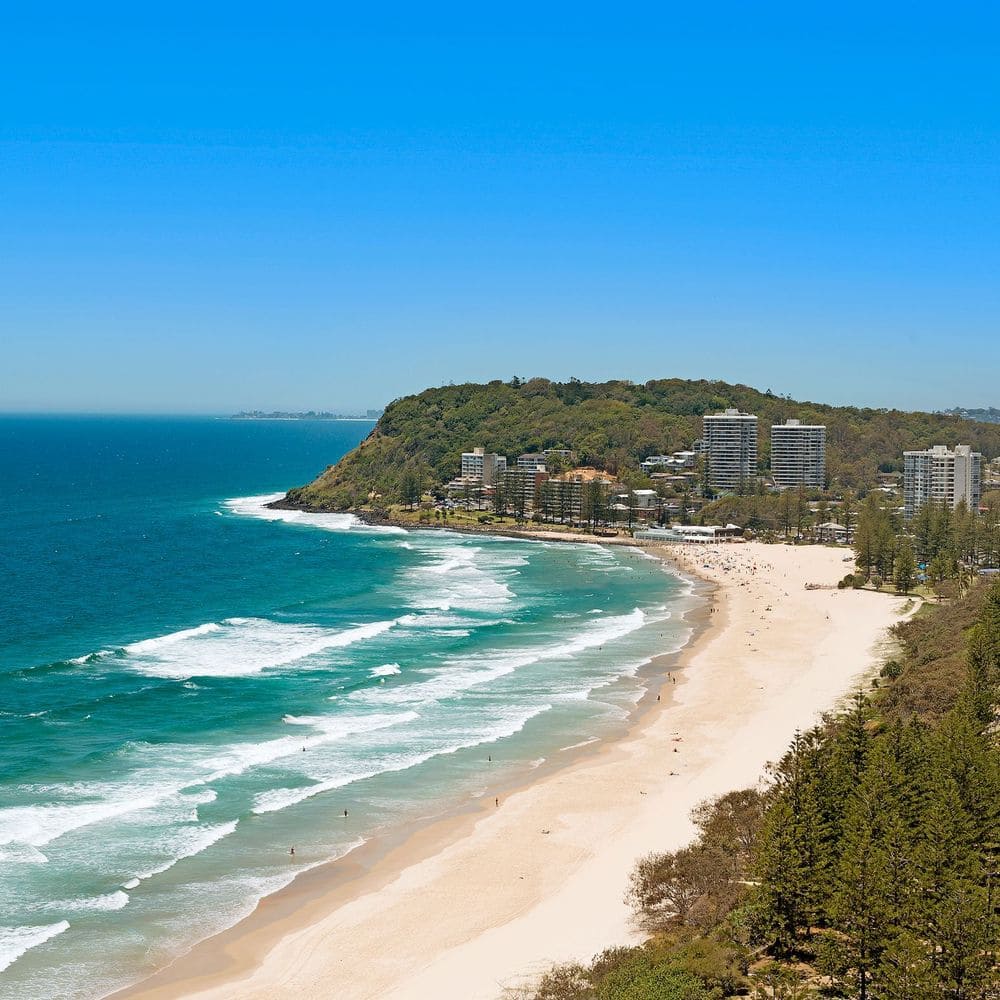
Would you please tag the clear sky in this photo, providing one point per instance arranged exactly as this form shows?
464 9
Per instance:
223 206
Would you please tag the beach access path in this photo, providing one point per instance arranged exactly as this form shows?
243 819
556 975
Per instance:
492 899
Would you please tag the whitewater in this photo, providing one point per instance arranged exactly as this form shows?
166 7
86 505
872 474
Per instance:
193 683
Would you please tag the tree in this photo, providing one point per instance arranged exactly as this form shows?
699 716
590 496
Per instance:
905 568
500 496
847 517
793 857
871 885
411 489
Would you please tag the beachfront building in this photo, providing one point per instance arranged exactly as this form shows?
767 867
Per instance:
574 496
522 488
731 442
645 501
701 534
531 462
641 505
482 467
830 531
798 455
943 476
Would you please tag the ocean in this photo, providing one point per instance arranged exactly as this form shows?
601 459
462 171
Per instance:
191 683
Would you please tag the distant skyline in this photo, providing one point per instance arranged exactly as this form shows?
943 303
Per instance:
208 210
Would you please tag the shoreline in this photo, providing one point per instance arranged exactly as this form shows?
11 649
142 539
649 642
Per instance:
380 859
429 891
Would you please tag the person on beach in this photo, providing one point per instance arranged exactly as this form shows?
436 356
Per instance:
291 850
497 802
345 814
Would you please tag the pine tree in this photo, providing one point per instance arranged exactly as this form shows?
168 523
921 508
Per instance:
872 883
905 568
793 856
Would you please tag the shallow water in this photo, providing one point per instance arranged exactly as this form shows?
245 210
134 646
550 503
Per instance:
192 683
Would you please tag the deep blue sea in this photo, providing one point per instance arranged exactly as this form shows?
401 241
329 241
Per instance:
191 683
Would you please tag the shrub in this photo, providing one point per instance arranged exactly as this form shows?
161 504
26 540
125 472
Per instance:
891 670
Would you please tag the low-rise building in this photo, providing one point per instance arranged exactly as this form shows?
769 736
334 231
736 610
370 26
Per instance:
703 534
675 460
533 462
656 463
645 500
830 531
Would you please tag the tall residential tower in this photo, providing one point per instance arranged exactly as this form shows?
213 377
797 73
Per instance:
941 476
798 455
731 442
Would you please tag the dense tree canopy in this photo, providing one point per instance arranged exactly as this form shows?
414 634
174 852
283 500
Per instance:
866 869
611 425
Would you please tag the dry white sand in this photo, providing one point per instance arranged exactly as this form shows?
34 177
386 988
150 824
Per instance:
542 878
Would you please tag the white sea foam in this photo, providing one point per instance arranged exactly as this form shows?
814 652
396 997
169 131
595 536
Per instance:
168 778
92 657
386 670
146 646
15 941
582 743
257 507
460 576
132 883
188 842
467 672
239 757
109 902
240 647
38 825
21 854
504 724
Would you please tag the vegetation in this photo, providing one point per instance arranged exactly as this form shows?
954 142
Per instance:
946 546
610 425
867 868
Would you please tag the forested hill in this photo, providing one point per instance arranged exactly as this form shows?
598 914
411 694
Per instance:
611 425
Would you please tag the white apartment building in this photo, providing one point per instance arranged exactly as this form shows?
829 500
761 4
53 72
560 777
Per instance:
531 462
731 442
798 455
942 476
677 460
483 466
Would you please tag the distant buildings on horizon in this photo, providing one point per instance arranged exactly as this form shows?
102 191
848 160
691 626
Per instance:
305 415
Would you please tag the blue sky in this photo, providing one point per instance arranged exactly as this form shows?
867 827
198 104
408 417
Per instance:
305 207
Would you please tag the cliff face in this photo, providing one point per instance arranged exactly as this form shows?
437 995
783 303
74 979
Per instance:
611 425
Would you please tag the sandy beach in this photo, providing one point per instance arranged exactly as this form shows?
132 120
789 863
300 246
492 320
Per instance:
490 899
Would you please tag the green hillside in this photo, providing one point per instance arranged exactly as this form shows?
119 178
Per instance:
611 425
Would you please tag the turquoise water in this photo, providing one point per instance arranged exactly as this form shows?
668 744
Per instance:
191 683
